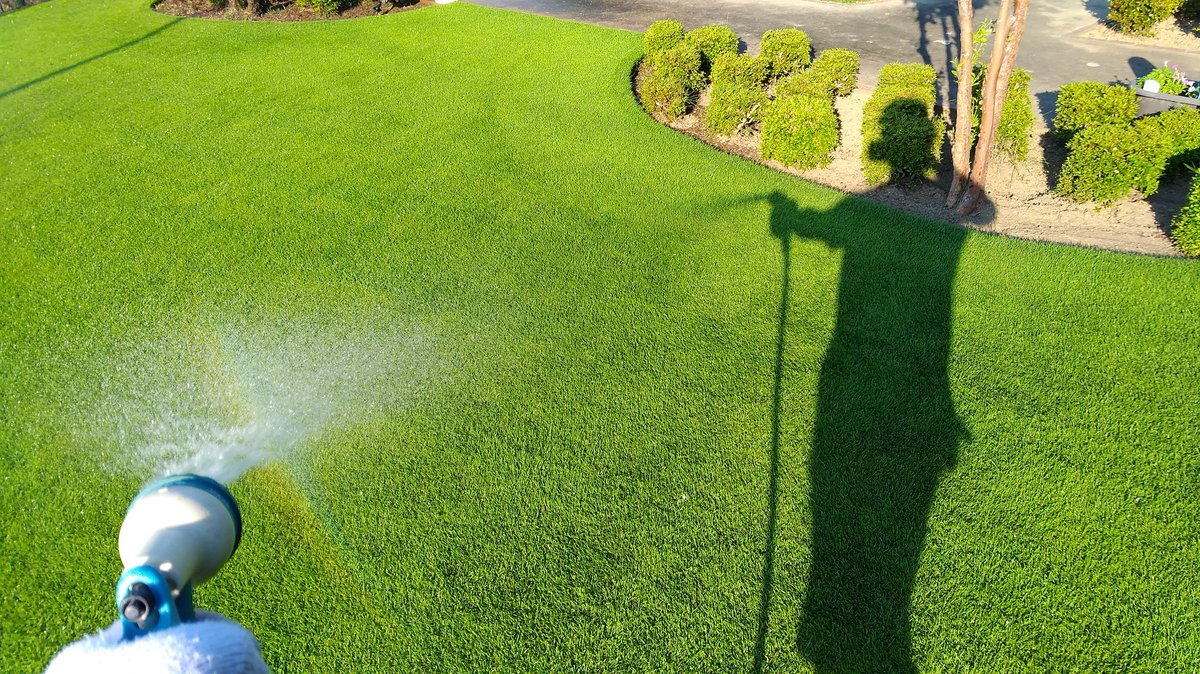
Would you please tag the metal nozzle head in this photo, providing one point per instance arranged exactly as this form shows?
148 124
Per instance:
139 606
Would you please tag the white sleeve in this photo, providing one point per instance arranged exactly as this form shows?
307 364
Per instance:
212 644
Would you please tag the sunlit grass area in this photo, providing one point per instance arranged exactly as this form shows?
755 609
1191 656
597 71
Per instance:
592 396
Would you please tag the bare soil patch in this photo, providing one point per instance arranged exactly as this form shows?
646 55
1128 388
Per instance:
1021 202
281 10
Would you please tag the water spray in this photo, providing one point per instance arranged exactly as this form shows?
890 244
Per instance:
177 533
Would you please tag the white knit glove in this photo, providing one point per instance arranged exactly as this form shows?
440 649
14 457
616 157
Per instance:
212 644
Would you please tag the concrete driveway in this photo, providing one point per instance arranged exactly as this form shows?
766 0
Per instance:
1053 49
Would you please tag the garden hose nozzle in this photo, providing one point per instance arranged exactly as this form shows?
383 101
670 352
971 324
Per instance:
177 533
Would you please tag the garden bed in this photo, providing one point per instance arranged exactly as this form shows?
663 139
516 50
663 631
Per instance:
280 11
1021 201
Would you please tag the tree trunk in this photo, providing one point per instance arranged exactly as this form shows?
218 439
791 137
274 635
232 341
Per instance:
961 152
1004 59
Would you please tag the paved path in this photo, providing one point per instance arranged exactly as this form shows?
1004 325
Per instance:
896 30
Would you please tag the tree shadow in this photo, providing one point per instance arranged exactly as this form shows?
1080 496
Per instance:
940 17
96 57
885 430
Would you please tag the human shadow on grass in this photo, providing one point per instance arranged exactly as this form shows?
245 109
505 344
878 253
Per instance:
885 429
95 57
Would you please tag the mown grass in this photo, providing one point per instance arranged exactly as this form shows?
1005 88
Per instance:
683 413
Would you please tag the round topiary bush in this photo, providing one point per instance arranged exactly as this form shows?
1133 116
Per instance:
712 42
741 69
734 107
661 36
800 131
1107 162
1085 104
665 96
786 50
681 62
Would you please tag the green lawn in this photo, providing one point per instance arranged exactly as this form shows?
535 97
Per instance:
574 392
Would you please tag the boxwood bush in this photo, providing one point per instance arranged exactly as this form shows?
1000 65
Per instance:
734 105
323 6
902 140
681 62
712 42
834 73
665 96
1016 118
673 79
739 69
661 36
1185 226
1181 129
1085 104
1107 162
800 131
786 50
1140 16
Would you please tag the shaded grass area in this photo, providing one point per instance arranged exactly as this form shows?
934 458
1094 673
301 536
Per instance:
683 413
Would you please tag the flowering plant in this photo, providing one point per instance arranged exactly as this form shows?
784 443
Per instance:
1171 80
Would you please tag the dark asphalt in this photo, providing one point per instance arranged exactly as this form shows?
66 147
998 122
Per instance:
1052 50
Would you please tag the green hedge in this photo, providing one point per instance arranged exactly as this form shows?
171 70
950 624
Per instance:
733 105
741 69
323 6
1085 104
834 73
1107 162
1181 129
681 62
1185 227
1140 16
1016 119
670 85
665 96
800 131
786 50
712 42
902 140
661 36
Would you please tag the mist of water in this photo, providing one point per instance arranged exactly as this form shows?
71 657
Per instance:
240 398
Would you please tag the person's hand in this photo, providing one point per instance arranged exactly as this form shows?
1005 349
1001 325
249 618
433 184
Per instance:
212 644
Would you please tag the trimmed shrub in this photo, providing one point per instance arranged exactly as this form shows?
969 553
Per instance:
1181 129
1185 226
1140 16
734 107
661 36
834 73
1016 119
741 69
1085 104
672 81
1105 163
682 63
323 6
786 51
841 67
800 131
807 82
712 42
665 96
915 80
902 140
